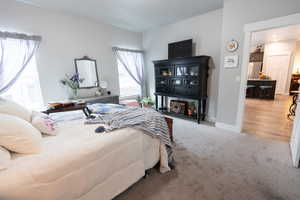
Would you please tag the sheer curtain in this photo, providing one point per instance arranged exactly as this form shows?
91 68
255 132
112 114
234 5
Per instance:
18 74
133 63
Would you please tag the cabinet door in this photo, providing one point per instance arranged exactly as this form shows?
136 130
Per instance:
165 71
163 85
177 85
187 70
192 87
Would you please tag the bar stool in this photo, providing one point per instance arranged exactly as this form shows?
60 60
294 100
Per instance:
250 91
264 89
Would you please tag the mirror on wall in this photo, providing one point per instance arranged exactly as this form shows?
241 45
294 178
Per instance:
87 71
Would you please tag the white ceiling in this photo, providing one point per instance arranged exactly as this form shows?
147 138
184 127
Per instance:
136 15
278 34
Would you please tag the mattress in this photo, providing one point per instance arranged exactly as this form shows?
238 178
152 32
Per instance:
79 164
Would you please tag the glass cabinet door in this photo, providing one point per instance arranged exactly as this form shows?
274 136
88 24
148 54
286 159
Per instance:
187 70
181 71
166 71
193 70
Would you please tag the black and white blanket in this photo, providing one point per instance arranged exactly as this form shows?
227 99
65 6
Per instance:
146 119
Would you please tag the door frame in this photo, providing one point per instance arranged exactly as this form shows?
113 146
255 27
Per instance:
293 19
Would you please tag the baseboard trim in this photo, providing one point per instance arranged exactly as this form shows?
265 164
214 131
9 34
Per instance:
228 127
211 119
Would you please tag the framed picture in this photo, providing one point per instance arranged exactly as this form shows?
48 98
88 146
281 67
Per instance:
231 61
178 107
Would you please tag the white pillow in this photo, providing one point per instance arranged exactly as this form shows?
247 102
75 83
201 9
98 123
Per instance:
12 108
19 136
4 158
44 123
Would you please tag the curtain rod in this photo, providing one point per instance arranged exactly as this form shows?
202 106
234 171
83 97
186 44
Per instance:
20 36
130 50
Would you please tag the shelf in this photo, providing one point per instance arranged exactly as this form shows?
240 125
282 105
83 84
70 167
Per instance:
181 116
179 96
179 76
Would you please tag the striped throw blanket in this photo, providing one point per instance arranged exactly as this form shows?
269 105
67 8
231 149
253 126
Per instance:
146 119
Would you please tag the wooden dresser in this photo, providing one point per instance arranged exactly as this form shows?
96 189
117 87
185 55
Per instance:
114 99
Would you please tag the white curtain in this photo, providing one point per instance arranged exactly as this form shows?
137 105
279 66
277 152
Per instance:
133 62
16 51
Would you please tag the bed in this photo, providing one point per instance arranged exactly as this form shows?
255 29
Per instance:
79 164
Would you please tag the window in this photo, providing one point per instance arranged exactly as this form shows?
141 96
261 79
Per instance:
26 90
129 87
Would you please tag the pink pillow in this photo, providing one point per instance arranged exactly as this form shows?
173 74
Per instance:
44 123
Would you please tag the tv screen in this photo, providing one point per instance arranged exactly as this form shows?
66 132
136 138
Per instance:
181 49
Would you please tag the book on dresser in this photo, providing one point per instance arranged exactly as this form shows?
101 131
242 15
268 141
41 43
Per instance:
183 78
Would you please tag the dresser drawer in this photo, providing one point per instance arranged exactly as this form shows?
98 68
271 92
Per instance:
103 99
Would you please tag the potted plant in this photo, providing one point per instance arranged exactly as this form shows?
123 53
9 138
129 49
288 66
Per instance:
147 102
72 82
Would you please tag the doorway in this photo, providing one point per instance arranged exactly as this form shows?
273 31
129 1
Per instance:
250 30
272 70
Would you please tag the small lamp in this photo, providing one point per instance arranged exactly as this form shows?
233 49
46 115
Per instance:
102 88
103 84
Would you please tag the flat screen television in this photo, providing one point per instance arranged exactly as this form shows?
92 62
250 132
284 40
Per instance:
181 49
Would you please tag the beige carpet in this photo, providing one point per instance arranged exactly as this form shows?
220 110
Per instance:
213 164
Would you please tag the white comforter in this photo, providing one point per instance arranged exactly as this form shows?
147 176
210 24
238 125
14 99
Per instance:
79 164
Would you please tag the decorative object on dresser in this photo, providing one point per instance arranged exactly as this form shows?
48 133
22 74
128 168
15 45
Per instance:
295 82
102 90
179 107
192 112
86 68
72 83
184 78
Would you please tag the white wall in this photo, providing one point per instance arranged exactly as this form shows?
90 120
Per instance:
66 37
205 30
237 13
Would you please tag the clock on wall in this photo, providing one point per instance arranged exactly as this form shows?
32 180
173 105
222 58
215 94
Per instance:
232 46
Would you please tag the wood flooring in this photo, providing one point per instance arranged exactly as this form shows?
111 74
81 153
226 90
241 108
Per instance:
268 118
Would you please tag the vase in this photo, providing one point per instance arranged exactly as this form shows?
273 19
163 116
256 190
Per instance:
72 93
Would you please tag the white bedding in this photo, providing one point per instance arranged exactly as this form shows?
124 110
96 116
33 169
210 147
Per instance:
79 164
